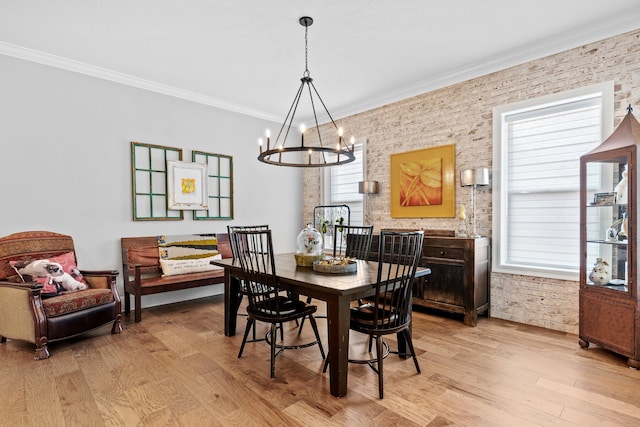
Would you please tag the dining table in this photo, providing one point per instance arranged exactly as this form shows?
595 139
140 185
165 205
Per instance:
337 290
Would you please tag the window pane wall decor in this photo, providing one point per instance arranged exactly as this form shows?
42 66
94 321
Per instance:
149 182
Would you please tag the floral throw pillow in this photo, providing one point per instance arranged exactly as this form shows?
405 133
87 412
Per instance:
57 274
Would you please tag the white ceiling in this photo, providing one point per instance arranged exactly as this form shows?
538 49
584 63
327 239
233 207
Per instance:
248 55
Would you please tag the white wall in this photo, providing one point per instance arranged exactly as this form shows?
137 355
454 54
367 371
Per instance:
65 163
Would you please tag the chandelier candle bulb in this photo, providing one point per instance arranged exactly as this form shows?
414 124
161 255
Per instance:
268 139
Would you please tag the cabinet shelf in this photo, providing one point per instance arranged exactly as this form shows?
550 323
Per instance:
620 243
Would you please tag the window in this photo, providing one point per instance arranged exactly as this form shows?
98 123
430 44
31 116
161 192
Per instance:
536 186
341 185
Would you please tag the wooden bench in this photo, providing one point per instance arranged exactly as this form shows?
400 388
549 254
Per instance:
143 275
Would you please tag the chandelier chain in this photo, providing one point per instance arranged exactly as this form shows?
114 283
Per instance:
306 52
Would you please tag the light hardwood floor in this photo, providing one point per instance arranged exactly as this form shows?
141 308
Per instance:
177 368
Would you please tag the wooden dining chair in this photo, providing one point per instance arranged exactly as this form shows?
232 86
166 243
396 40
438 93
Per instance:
242 289
388 311
353 241
266 302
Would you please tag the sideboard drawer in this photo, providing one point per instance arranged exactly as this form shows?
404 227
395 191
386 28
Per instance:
442 252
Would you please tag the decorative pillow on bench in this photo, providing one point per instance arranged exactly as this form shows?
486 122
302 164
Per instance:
189 253
171 267
187 246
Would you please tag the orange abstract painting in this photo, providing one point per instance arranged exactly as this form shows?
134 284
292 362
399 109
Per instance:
423 183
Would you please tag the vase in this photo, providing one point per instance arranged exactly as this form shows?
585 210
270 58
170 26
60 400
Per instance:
600 275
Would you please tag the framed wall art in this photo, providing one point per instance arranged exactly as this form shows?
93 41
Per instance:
187 186
423 183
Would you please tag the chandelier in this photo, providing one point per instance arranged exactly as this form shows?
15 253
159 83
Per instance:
315 155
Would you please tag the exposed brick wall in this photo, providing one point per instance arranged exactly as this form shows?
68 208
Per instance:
461 114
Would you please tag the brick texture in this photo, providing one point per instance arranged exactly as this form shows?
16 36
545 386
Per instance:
461 114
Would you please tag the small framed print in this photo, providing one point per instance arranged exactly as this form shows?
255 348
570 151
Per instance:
604 199
187 186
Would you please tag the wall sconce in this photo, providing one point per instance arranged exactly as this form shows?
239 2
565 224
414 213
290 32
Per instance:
368 187
474 178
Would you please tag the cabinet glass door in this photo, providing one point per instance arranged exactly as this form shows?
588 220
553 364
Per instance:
606 224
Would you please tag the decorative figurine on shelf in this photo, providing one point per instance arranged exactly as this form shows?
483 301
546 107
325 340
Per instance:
600 274
462 216
621 188
618 230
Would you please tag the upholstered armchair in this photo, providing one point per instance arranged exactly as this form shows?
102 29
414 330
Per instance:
25 313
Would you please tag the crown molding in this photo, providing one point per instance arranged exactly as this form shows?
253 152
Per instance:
44 58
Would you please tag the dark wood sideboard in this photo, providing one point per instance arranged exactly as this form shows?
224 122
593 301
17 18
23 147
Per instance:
459 279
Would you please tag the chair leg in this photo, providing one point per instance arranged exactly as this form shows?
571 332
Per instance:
250 322
42 351
407 337
301 324
314 325
379 353
273 350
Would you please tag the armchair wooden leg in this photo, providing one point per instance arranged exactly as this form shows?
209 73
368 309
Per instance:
117 325
42 352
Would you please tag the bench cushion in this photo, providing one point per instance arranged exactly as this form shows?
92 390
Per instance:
146 256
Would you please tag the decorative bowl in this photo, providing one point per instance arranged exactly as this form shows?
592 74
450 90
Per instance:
335 265
305 260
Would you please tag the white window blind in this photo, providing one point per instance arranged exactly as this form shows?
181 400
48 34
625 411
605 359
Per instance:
341 185
536 217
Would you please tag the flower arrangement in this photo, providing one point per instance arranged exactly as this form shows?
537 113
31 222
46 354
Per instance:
310 242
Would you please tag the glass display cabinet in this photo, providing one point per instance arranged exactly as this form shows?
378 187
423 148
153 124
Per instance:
608 244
